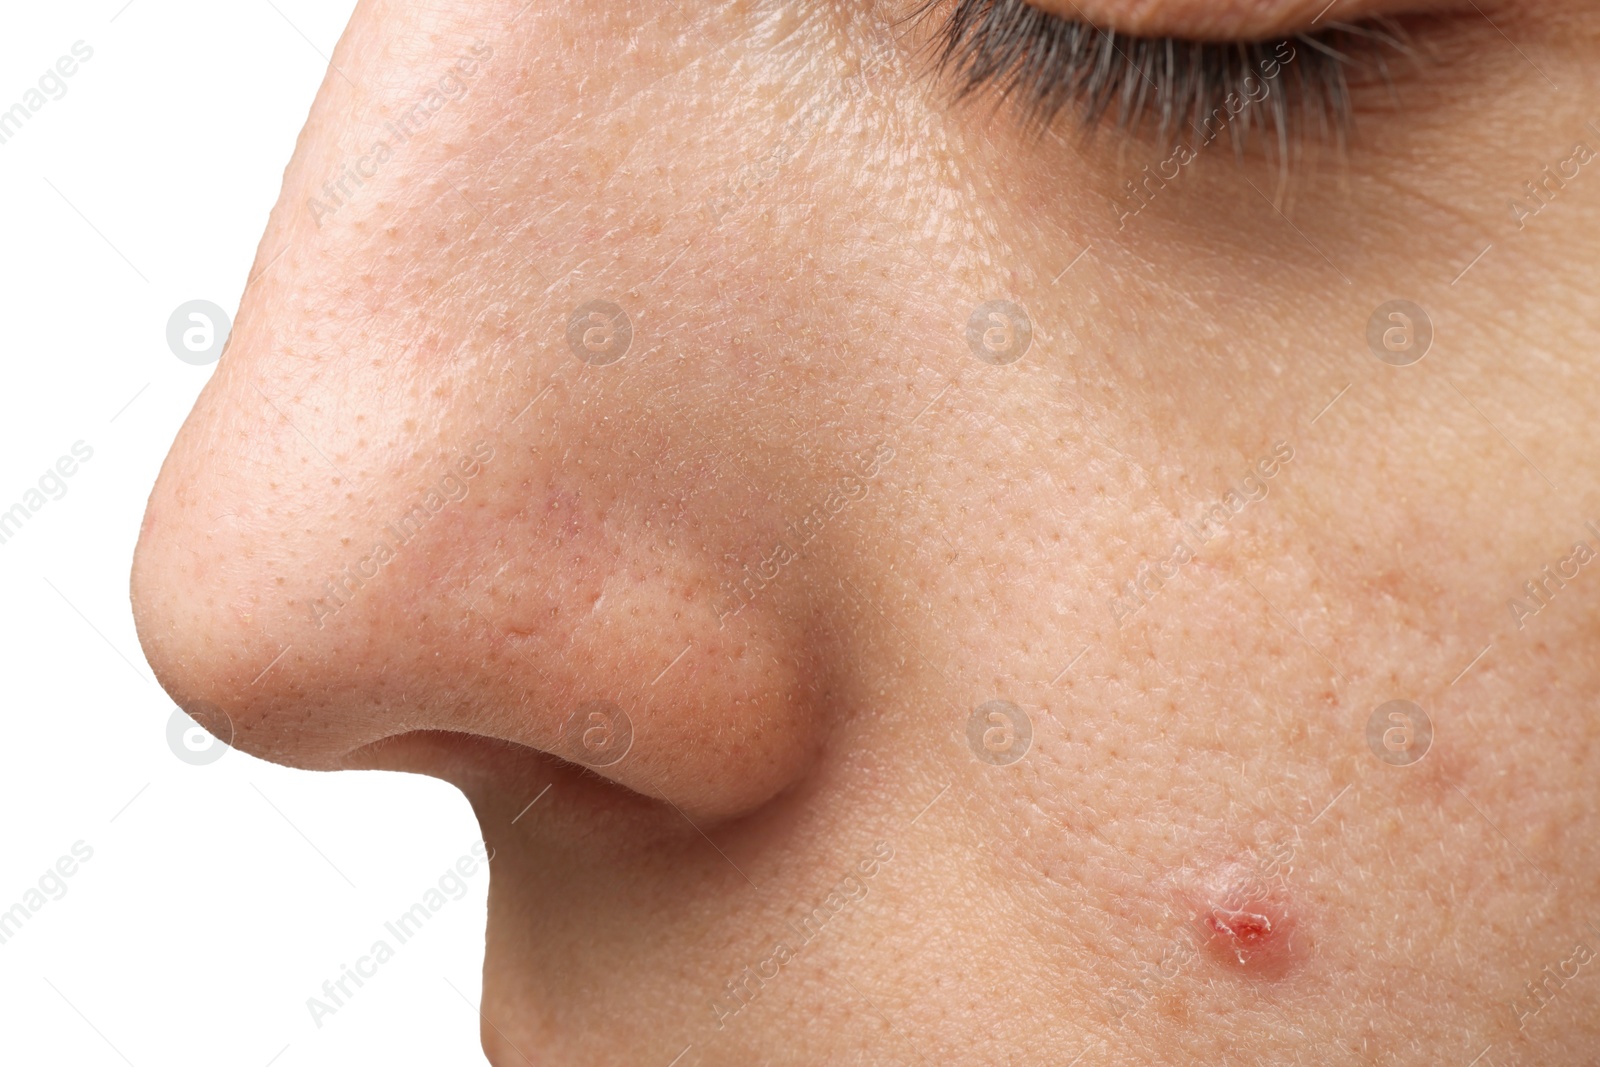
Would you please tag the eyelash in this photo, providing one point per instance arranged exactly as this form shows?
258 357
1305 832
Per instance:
1049 64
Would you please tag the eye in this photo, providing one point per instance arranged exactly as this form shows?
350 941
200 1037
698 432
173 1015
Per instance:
1285 86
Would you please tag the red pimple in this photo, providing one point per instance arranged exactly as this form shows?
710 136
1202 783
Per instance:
1247 924
1246 932
1246 927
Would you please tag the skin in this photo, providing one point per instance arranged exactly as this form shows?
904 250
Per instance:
1200 858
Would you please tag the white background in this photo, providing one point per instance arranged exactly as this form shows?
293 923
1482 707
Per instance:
219 897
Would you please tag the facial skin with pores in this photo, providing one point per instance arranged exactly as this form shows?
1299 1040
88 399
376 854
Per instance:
798 532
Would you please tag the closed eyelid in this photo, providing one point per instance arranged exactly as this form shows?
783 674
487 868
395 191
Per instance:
1188 89
1231 20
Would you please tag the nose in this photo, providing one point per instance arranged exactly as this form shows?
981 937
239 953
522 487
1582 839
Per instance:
409 505
335 577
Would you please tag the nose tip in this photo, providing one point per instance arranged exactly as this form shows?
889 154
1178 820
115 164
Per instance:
487 591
